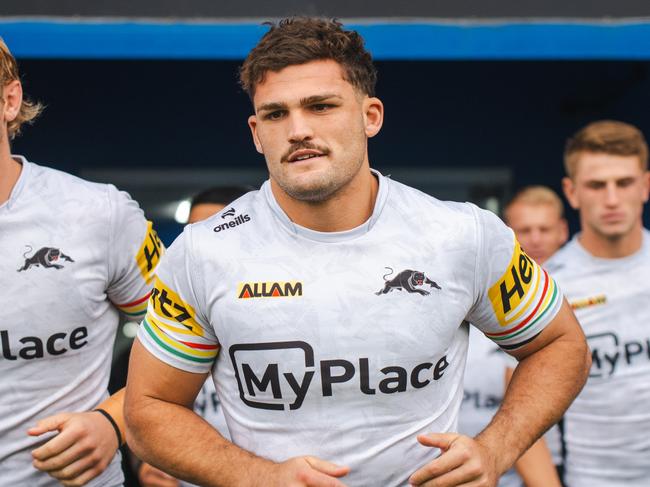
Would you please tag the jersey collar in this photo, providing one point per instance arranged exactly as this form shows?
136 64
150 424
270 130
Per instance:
615 263
20 184
329 237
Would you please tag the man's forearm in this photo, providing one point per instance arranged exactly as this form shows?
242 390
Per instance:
542 387
178 441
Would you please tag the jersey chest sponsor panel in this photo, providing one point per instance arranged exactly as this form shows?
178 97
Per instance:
608 424
58 326
326 346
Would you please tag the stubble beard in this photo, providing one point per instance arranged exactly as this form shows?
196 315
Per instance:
321 187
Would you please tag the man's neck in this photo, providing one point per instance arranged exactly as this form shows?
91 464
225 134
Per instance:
9 174
612 248
350 207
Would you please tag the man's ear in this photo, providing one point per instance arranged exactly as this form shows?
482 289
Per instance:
12 99
252 124
646 185
569 188
373 115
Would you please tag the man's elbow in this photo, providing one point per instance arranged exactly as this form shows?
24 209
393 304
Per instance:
586 368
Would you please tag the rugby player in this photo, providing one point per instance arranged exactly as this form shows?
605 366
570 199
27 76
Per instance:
72 253
332 305
207 405
536 214
604 272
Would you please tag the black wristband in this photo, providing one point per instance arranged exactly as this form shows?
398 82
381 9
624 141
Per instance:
113 424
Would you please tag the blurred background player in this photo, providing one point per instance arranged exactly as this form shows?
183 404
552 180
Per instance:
72 255
604 272
207 405
536 215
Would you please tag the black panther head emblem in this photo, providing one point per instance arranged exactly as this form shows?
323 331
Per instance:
407 280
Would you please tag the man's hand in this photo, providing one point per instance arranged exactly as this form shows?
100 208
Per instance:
463 461
150 476
305 472
84 447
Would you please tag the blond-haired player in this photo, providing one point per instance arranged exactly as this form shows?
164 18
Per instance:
72 255
536 214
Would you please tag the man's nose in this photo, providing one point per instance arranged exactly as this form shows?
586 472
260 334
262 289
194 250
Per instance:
611 194
534 237
299 128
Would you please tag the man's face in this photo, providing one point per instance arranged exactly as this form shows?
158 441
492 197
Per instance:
609 191
201 211
312 127
539 228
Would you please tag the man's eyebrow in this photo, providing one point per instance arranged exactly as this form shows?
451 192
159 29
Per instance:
269 107
310 100
318 98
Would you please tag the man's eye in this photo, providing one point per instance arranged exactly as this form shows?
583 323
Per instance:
321 107
277 115
595 185
624 183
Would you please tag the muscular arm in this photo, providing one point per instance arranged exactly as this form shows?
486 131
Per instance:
551 372
163 430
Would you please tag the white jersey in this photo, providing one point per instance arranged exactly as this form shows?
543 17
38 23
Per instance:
70 252
607 428
343 345
484 387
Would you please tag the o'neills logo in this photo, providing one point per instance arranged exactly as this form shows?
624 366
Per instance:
246 290
241 219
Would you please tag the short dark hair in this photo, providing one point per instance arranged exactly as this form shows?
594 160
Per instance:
220 195
299 40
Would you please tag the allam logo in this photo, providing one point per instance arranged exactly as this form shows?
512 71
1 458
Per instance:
247 290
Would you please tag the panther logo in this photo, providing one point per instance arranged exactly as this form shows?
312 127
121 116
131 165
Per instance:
407 280
46 257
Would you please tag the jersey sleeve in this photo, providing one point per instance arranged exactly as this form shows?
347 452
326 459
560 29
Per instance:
515 298
134 251
174 329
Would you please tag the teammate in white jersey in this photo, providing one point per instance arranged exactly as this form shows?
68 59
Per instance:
332 305
604 272
483 391
535 214
71 254
207 404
